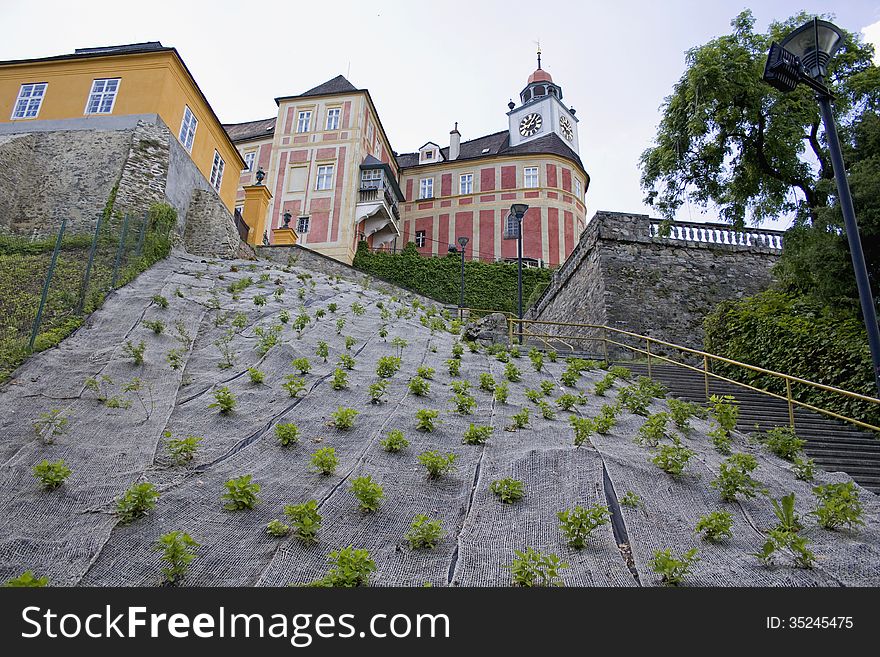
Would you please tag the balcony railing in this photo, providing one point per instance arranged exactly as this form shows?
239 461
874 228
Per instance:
372 191
719 234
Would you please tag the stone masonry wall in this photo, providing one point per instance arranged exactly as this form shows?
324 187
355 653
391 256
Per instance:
210 229
622 276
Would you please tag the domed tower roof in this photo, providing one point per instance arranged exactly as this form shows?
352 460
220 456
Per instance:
540 84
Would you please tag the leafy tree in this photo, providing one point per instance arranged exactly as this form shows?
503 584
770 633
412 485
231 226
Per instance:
729 139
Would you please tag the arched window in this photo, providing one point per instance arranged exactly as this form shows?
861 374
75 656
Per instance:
526 96
540 91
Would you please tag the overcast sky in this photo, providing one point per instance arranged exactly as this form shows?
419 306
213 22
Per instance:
429 64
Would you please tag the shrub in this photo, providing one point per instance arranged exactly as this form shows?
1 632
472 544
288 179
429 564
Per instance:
475 435
724 411
239 321
653 430
241 493
803 469
387 366
394 442
672 459
325 460
784 536
256 376
651 387
378 390
673 569
368 492
160 301
465 404
225 400
293 385
487 382
783 442
734 477
136 502
339 381
454 366
715 526
277 529
287 433
567 401
512 373
578 523
224 344
175 359
332 307
425 372
177 552
630 499
182 450
51 475
620 372
532 568
537 359
135 352
583 429
547 387
340 324
520 420
424 533
302 365
343 418
607 418
507 489
399 344
322 350
457 350
26 580
837 505
347 361
419 387
426 417
357 309
50 424
547 411
502 390
284 316
436 464
533 395
156 326
351 568
634 399
350 342
266 338
260 300
305 521
461 387
604 385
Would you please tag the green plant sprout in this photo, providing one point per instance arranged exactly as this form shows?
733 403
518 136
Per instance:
343 418
225 400
51 475
424 533
394 442
368 492
673 569
136 502
293 385
181 450
425 419
378 391
715 526
339 381
241 493
50 424
533 568
287 433
305 521
578 523
436 464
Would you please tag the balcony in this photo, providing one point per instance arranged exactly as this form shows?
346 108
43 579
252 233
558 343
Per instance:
377 207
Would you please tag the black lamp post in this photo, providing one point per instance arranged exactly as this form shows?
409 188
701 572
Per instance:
803 57
517 212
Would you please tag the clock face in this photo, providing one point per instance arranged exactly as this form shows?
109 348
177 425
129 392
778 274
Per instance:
566 128
530 124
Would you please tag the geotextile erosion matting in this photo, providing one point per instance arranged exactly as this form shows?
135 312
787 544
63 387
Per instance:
72 534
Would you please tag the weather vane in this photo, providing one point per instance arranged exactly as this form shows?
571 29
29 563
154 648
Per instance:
538 43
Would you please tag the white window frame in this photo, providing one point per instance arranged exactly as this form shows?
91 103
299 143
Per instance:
188 126
324 178
426 188
23 107
372 179
421 239
303 224
217 167
466 183
101 95
512 227
334 114
249 159
528 173
304 121
577 188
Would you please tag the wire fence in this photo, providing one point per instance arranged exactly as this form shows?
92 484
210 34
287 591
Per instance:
48 285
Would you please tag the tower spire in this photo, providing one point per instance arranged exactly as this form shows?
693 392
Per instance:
539 55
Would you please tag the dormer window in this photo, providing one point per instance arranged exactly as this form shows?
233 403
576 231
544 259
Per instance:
429 153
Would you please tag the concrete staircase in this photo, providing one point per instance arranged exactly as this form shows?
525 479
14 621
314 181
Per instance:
835 446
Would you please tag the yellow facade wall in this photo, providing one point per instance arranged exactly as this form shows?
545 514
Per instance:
150 83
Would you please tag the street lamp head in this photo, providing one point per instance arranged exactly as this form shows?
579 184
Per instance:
463 241
814 44
452 249
518 210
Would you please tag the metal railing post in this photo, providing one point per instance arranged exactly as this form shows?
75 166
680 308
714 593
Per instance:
706 375
509 331
790 405
87 276
39 318
605 345
648 349
119 251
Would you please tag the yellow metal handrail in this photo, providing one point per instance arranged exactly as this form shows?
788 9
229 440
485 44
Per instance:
704 356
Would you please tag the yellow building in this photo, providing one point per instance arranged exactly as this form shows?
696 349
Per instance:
144 78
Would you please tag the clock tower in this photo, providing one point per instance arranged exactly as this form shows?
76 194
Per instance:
541 112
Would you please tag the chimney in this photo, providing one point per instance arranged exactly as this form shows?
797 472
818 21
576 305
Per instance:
454 142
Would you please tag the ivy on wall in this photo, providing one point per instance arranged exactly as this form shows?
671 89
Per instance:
797 336
487 285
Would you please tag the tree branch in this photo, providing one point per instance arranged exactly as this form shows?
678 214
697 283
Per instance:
767 168
825 169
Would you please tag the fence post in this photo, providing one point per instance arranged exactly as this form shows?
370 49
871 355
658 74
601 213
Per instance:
605 343
140 244
39 318
790 405
706 375
119 251
87 276
648 348
509 332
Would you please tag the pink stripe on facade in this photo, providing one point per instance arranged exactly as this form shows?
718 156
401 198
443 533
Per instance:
487 179
446 184
487 236
337 194
508 177
553 234
551 175
568 233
